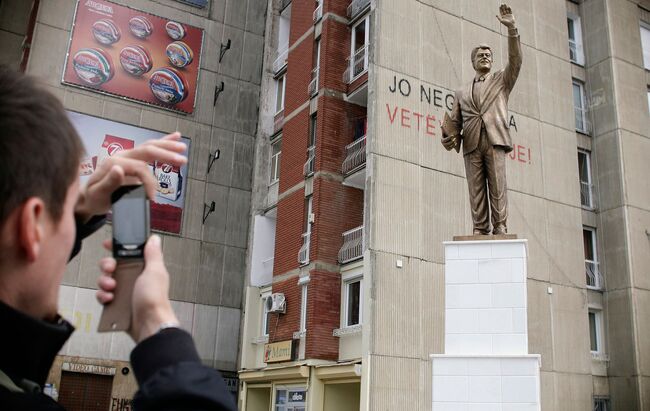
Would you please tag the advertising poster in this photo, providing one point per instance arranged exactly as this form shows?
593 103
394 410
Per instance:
121 51
103 138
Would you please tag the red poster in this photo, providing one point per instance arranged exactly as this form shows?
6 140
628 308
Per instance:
118 50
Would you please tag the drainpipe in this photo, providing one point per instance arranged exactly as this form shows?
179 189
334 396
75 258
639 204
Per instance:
27 42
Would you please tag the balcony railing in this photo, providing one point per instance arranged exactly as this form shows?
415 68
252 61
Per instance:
318 13
594 277
308 168
576 53
586 194
303 254
281 59
352 248
357 65
356 7
313 84
583 125
355 155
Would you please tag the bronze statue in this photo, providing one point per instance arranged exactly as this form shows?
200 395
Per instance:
481 111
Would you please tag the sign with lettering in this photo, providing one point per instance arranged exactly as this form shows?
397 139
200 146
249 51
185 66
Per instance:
88 368
279 351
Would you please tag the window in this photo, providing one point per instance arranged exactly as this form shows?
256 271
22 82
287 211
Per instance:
595 331
352 302
279 96
313 84
290 399
265 314
584 172
276 153
303 308
593 276
648 99
601 404
576 54
579 107
645 44
359 44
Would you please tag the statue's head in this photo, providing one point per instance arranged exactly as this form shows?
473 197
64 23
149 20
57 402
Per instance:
482 58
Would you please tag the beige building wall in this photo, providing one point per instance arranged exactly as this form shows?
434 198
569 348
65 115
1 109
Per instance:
416 195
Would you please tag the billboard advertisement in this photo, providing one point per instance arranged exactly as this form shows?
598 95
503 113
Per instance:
118 50
104 138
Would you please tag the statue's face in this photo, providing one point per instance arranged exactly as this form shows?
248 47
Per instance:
483 60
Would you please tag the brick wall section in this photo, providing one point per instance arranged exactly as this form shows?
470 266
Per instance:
288 234
335 49
338 208
282 326
335 131
294 150
338 7
302 15
299 66
323 315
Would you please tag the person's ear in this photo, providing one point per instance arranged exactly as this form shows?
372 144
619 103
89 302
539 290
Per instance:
31 228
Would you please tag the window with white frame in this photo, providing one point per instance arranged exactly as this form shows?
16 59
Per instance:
576 53
648 99
276 153
265 314
596 331
359 47
352 302
645 44
601 404
592 272
303 308
279 93
584 173
580 107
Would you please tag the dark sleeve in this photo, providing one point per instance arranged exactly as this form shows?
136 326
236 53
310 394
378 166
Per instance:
171 376
84 230
456 112
511 72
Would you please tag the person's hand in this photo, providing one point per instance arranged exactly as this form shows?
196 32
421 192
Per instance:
150 305
128 167
506 18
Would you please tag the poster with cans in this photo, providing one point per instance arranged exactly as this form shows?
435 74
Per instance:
125 52
104 138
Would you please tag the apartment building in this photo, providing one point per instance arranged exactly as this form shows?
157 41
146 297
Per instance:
354 195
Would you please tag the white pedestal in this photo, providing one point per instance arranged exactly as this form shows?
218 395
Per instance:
486 365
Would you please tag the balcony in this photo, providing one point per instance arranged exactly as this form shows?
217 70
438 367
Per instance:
576 53
357 65
318 13
313 84
594 277
303 254
352 248
356 7
280 59
355 157
586 195
308 168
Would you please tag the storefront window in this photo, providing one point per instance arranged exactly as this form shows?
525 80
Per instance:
290 399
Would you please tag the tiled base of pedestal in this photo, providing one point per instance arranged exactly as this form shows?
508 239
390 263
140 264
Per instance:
486 383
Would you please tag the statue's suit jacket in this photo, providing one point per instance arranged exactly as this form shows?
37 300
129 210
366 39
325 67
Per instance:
491 108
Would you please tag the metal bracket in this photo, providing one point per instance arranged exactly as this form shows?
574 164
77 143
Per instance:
222 50
212 158
217 90
207 210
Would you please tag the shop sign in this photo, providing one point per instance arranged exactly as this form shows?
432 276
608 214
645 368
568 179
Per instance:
88 368
128 53
279 351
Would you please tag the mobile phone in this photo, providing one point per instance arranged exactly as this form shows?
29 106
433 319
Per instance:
130 234
130 222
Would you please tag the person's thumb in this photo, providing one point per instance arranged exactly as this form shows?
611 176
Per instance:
153 252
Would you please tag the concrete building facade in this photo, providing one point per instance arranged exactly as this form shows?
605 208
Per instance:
579 122
207 260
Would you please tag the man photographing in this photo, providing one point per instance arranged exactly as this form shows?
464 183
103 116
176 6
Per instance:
481 111
43 216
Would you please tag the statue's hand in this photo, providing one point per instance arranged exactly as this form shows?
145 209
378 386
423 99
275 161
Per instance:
506 18
449 142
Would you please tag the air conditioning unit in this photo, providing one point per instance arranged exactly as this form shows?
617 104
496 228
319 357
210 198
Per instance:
312 218
276 303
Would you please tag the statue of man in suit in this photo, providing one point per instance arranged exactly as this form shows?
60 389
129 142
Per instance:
481 111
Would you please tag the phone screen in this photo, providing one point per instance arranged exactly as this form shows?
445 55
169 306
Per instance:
130 223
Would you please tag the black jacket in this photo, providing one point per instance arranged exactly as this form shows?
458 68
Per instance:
166 365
